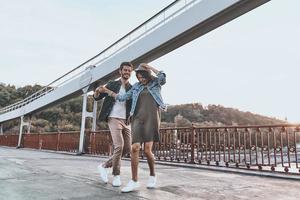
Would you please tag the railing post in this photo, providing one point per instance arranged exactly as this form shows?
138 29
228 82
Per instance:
58 141
94 148
296 133
86 114
39 141
20 133
90 143
193 133
82 128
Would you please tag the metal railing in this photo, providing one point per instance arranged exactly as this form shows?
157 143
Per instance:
274 147
150 25
267 148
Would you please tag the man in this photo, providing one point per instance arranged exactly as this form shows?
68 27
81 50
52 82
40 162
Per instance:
116 113
145 111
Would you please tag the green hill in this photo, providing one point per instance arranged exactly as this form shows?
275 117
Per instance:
67 116
212 115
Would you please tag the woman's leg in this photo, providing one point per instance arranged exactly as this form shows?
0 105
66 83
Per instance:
133 184
135 149
150 157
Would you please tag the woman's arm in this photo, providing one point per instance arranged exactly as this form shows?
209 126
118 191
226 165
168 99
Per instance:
100 93
161 76
146 66
124 97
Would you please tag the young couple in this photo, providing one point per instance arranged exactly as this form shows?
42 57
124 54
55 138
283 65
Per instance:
140 105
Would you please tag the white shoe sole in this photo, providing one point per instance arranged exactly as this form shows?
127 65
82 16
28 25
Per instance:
127 190
116 185
151 187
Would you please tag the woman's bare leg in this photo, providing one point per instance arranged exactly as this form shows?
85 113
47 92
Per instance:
135 149
150 157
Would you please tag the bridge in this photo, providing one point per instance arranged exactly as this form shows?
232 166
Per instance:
271 148
177 24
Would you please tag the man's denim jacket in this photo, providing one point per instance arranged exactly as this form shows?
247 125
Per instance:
154 87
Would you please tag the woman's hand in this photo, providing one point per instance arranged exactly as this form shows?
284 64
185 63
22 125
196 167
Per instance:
148 67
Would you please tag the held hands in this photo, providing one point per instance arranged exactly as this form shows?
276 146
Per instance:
101 89
97 91
105 90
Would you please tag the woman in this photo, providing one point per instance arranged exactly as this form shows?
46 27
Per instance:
145 115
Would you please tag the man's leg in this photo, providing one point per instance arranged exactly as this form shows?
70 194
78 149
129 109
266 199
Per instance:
115 127
127 139
114 161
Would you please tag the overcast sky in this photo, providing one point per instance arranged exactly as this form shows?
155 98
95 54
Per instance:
251 63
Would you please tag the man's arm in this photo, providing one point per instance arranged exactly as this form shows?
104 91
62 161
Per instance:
124 97
100 92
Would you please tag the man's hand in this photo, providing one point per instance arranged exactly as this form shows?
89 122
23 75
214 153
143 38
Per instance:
100 89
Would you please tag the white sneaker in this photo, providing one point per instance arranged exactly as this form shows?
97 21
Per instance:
117 181
131 186
151 182
103 173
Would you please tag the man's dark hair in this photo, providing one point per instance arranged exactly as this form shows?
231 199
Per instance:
125 64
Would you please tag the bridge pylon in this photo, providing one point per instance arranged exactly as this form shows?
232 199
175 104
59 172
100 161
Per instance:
22 124
86 114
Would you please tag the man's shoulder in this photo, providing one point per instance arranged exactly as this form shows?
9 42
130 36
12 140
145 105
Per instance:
113 82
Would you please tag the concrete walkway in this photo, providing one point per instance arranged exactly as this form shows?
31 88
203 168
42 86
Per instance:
30 174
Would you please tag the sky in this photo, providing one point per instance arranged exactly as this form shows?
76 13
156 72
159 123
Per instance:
250 63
